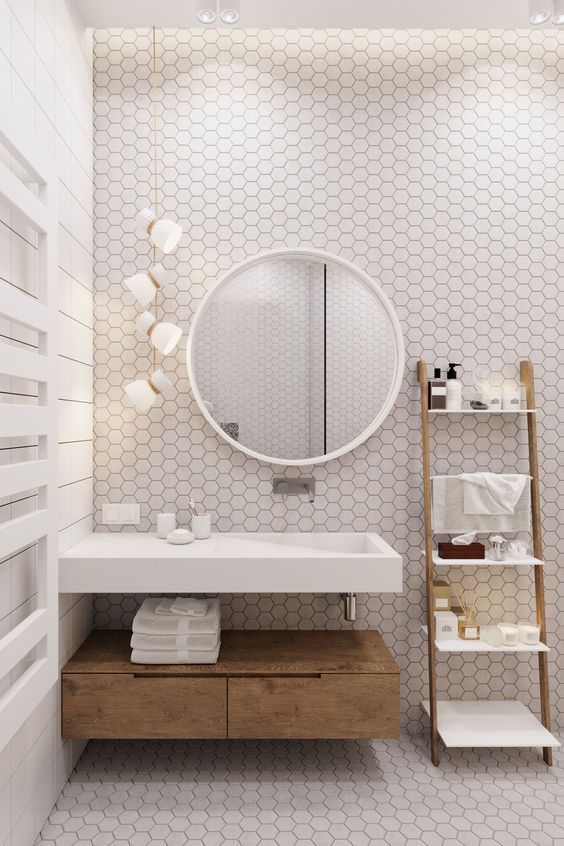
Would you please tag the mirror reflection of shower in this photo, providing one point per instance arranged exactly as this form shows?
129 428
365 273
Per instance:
294 357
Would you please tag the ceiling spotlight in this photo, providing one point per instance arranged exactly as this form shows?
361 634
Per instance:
206 12
540 11
558 16
229 11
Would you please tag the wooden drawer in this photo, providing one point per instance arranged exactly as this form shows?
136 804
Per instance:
323 706
128 706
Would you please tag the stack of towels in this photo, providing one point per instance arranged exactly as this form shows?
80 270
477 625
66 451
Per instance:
176 631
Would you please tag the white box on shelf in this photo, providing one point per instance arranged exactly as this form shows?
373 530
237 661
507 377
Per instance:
446 625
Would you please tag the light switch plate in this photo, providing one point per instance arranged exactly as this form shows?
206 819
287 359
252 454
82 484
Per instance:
121 513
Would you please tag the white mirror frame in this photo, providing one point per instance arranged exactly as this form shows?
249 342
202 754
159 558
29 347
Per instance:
364 279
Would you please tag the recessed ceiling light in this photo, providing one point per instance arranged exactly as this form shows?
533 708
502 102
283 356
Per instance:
558 17
540 11
206 12
229 11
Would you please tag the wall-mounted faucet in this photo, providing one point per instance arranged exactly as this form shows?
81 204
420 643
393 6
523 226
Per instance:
283 486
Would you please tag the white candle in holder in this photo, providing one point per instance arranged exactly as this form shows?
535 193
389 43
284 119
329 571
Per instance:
166 523
529 633
510 633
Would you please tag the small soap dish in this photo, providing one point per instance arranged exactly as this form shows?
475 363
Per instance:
180 536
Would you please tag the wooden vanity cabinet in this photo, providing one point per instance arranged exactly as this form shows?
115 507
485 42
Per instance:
265 685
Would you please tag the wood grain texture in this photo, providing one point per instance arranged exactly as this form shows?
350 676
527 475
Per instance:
128 707
331 706
527 377
248 653
428 530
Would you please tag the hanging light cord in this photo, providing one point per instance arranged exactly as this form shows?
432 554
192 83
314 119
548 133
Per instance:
155 173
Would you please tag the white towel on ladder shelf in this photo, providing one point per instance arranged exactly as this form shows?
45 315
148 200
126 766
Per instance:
492 493
450 518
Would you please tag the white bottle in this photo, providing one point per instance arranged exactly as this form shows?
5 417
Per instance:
453 389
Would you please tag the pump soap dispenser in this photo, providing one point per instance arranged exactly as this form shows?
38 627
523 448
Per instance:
437 392
453 389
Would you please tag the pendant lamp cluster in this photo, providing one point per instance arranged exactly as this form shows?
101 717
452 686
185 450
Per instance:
147 286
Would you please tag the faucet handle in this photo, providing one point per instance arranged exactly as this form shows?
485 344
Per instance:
282 488
282 485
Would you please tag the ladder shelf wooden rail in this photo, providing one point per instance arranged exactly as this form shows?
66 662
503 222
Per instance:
466 723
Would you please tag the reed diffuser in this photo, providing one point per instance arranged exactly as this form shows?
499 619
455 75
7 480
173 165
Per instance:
468 628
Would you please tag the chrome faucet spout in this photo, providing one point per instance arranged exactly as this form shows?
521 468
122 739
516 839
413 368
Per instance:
285 486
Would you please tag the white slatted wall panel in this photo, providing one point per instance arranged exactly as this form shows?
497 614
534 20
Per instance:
29 650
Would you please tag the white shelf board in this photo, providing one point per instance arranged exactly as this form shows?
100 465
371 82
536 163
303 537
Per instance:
459 645
491 723
528 561
482 411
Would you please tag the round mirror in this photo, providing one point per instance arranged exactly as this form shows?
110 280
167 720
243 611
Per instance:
295 357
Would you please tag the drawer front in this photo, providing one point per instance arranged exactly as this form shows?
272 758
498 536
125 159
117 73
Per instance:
326 706
128 706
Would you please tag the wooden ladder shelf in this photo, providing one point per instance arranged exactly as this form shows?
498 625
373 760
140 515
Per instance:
483 723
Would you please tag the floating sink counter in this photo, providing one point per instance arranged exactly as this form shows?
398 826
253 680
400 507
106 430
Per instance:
324 562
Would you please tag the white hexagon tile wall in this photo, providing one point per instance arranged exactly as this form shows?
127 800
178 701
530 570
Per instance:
433 161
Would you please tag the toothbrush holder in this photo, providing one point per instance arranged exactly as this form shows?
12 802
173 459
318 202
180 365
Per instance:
201 526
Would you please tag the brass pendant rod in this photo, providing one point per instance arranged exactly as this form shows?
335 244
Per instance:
155 173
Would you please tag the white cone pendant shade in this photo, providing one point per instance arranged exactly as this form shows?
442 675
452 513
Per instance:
144 392
540 11
164 234
164 336
558 17
144 286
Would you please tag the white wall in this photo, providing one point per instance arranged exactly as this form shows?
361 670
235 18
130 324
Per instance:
433 161
45 68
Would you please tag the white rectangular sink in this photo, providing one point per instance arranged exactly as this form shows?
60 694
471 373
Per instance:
293 562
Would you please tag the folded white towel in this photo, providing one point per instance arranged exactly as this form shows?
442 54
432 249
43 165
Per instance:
189 605
188 656
492 493
146 621
182 605
172 643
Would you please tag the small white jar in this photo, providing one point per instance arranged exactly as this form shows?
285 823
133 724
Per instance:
510 634
166 523
529 633
201 526
511 397
492 635
495 398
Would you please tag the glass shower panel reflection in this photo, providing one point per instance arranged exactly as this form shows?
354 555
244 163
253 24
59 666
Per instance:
259 342
317 336
360 357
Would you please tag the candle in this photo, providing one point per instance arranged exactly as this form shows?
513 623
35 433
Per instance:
510 633
166 523
529 633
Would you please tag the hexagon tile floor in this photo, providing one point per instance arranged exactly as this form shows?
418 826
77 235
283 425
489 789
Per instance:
292 793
